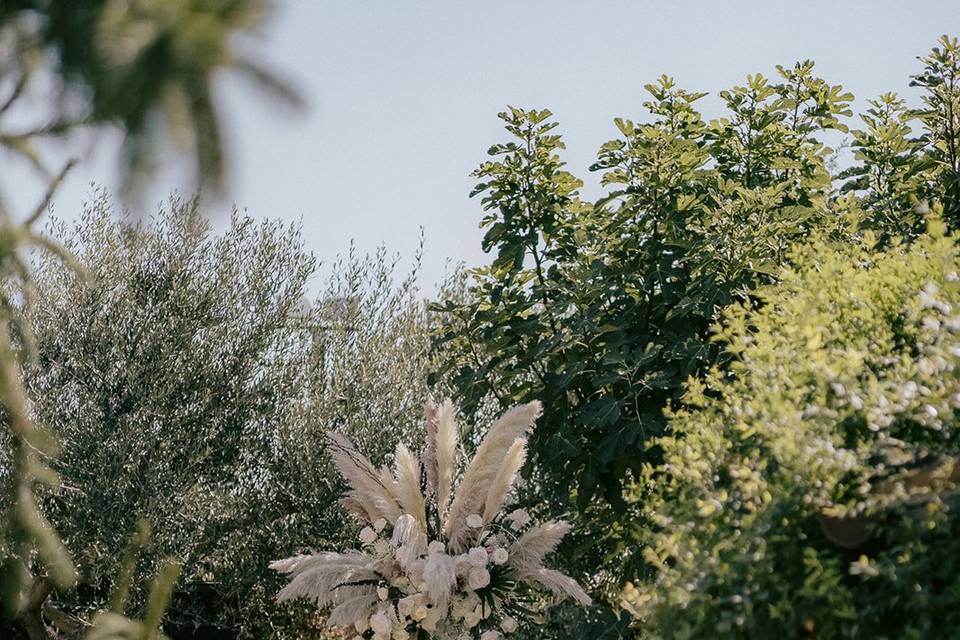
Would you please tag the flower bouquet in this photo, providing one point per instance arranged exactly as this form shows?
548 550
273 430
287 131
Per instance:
439 558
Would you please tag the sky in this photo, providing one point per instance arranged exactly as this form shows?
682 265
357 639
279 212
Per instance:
402 97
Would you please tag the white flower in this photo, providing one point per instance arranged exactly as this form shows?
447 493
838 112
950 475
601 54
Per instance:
464 604
415 571
478 578
472 618
520 518
463 563
380 623
426 585
433 618
405 606
478 556
474 521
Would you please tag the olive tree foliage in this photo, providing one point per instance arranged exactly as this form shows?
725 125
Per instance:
191 384
155 368
367 364
809 488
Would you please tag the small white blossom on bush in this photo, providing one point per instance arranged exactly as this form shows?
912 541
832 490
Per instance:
406 605
451 557
472 619
380 624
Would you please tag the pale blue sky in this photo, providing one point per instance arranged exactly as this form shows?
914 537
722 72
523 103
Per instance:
403 96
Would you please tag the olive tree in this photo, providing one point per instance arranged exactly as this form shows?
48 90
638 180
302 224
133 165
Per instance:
191 383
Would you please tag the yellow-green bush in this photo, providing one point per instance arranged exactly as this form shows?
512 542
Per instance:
806 489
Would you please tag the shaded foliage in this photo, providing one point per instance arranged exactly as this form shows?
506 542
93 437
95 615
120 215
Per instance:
604 309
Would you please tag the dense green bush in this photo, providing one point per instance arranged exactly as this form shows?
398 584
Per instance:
190 383
603 309
808 488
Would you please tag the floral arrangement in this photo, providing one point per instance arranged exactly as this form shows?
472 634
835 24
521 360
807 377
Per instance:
440 558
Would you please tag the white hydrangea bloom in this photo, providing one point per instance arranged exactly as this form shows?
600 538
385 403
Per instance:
367 535
478 557
478 578
519 518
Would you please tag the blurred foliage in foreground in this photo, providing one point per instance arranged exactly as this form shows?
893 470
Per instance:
26 447
145 66
809 489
